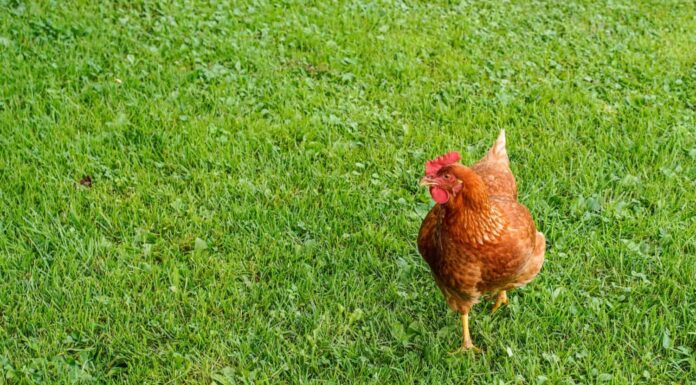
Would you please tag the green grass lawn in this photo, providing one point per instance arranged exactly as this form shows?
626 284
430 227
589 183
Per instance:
254 201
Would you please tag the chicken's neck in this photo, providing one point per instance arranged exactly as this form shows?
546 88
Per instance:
471 217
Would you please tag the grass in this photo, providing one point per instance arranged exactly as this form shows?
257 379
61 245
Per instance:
254 202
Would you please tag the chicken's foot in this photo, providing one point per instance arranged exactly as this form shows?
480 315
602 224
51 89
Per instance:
502 299
466 342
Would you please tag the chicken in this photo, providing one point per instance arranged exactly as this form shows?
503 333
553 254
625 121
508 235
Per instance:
478 238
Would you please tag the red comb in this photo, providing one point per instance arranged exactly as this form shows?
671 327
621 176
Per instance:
433 166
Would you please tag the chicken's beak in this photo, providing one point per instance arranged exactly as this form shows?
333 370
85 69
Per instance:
427 181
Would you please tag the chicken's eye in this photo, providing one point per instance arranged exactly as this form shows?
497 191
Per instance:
448 176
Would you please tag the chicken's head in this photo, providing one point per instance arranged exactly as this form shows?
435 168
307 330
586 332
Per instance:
440 179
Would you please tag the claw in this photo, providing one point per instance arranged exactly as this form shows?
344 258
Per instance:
502 299
464 349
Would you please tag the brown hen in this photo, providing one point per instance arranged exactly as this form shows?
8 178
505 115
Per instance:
478 238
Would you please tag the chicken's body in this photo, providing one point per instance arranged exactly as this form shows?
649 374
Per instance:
481 240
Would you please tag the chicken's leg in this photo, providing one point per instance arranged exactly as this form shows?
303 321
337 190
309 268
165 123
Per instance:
502 299
466 342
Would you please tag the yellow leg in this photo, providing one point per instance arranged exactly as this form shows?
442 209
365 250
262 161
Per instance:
502 299
466 342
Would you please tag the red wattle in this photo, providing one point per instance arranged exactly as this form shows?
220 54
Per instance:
439 195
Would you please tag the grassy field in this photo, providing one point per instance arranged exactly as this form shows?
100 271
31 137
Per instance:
253 205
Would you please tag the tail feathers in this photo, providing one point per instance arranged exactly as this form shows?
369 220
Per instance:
498 150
